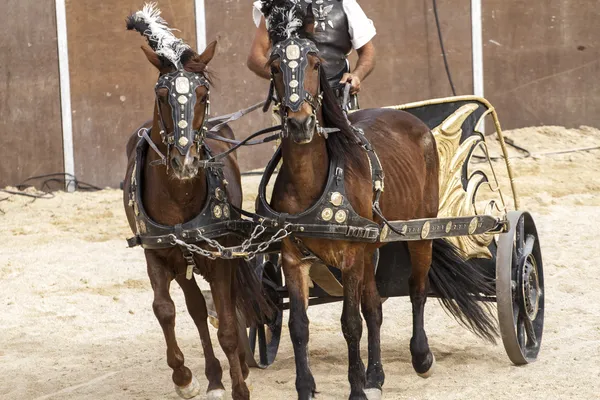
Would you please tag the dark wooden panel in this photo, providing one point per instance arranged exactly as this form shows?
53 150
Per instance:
236 86
30 121
409 59
112 83
542 62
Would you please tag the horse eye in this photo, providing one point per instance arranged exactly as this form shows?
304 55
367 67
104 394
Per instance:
317 65
274 70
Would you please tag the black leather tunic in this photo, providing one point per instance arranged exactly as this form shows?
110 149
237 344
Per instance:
332 38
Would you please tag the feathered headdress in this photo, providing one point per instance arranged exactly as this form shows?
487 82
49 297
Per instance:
155 29
284 18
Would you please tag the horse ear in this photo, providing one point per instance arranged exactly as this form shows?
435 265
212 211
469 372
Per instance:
152 57
309 21
208 53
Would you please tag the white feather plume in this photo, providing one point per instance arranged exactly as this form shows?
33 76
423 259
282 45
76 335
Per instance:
167 44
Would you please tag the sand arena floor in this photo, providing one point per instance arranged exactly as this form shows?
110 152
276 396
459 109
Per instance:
76 320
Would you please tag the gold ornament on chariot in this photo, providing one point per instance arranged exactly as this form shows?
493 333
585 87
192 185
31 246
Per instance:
327 214
449 227
217 212
425 230
337 199
384 233
340 216
226 213
183 141
219 194
473 225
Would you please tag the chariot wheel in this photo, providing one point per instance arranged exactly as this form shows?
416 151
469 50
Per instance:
261 343
520 289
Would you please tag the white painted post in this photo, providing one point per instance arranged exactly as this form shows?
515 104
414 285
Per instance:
65 90
200 25
477 44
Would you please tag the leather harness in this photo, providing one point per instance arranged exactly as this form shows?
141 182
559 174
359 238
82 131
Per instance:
217 218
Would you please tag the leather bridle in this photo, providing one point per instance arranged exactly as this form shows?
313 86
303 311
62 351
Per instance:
181 88
293 55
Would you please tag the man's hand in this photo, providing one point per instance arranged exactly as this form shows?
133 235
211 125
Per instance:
354 80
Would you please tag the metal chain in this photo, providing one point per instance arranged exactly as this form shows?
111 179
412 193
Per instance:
220 250
193 248
278 236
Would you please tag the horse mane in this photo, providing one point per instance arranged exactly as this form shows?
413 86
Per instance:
343 144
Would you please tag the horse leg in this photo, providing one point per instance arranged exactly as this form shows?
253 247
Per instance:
371 309
352 278
196 306
222 284
297 279
186 384
420 258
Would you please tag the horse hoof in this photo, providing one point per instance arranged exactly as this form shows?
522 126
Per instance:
429 372
373 393
217 394
190 391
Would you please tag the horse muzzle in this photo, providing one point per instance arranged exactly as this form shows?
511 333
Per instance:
302 131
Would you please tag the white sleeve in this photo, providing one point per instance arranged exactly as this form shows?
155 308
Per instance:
361 28
256 13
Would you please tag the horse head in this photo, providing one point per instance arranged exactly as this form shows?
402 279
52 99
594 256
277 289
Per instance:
182 91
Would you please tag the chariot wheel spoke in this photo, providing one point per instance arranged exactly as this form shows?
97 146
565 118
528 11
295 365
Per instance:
529 330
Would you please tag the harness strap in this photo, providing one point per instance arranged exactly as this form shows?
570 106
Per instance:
243 142
225 119
143 133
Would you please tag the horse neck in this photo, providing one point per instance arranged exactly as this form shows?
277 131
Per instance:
167 199
305 167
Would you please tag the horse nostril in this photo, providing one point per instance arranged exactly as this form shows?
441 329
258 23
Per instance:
309 123
175 163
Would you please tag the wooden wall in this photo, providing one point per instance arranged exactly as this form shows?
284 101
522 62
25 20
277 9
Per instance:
112 82
30 121
540 61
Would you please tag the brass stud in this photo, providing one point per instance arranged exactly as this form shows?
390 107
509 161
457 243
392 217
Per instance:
340 216
425 230
183 141
327 214
473 225
217 212
337 199
449 227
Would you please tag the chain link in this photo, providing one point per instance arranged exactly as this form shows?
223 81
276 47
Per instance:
278 236
243 248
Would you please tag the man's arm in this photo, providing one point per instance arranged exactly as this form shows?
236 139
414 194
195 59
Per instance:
257 59
364 66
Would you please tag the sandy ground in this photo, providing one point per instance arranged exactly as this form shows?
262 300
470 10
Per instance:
76 319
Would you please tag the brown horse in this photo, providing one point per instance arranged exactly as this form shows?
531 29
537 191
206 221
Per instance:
408 154
174 192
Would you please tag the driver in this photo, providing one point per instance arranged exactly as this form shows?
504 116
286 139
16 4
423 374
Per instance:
339 27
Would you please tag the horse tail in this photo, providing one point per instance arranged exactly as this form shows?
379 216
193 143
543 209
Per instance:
462 289
251 299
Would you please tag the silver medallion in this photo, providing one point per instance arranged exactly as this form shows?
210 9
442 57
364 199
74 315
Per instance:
182 84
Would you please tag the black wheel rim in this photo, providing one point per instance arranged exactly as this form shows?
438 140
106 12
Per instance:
520 289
